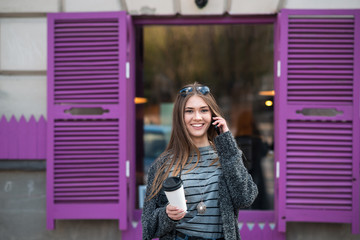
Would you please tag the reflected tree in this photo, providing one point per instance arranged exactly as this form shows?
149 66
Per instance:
236 61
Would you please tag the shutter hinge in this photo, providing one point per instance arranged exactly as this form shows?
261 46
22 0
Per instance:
127 173
127 70
277 169
279 68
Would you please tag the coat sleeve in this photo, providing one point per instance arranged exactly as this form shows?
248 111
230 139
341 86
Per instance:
155 221
241 186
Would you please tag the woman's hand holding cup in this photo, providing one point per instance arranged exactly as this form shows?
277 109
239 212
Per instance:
175 213
174 191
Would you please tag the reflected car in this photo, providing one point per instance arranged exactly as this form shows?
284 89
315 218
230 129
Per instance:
156 138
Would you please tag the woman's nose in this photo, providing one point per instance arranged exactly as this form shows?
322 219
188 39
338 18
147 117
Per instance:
197 115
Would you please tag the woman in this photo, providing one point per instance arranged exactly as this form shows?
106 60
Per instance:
215 180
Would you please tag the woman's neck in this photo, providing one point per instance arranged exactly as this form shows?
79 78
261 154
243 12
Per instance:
201 142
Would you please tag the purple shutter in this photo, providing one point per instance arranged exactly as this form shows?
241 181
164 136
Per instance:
318 117
90 108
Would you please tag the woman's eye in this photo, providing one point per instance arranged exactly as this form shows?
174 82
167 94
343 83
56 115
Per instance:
204 110
188 111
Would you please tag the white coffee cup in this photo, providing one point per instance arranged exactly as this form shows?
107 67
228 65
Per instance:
174 191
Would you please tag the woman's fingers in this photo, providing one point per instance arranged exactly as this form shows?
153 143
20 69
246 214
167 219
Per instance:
221 123
174 212
177 216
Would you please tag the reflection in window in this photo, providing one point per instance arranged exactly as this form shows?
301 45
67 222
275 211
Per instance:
156 138
236 62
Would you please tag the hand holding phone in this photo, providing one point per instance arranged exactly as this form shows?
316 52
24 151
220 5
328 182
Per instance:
220 125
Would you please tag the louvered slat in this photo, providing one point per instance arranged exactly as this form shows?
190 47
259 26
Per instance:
320 58
82 170
86 53
313 180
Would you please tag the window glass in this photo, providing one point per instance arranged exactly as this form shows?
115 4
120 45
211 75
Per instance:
236 62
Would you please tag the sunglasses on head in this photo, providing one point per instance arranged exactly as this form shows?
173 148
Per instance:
202 89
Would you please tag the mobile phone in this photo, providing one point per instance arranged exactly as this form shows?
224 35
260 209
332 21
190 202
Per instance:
217 129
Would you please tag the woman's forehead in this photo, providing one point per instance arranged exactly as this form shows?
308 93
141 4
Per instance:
195 102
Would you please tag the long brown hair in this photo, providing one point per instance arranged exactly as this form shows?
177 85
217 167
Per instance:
181 146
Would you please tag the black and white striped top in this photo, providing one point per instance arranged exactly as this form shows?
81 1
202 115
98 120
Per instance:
202 183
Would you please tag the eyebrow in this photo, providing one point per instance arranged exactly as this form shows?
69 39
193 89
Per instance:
193 108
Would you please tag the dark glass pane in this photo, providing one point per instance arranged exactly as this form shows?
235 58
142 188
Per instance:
236 62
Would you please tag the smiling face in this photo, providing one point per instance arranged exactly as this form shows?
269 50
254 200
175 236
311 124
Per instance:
197 117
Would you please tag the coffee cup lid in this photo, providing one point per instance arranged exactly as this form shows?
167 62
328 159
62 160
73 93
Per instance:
172 184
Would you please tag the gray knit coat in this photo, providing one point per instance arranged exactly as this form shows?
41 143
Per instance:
236 190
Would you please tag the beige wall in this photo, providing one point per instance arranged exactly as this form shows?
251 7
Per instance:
170 7
219 7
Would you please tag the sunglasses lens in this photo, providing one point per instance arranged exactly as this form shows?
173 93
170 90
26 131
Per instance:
203 90
185 91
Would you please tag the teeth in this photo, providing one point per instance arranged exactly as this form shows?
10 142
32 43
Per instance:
197 125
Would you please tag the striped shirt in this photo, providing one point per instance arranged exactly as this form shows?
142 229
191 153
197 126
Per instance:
201 183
